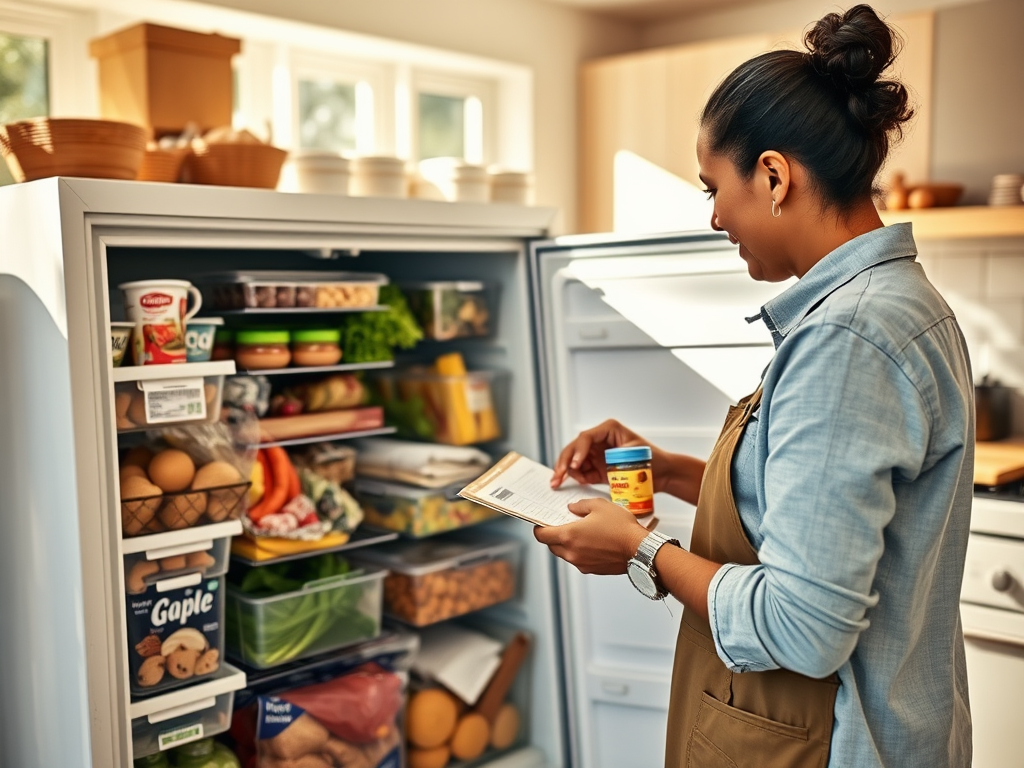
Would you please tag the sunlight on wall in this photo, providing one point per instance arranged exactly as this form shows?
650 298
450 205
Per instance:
647 198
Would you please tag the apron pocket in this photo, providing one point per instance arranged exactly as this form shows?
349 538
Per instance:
726 737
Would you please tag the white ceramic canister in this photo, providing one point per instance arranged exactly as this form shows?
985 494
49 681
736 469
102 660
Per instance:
379 177
511 187
458 180
159 309
321 173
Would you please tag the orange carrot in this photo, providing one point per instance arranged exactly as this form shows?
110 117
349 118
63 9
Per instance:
256 510
294 485
276 498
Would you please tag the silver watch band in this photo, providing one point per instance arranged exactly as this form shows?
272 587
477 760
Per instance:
650 545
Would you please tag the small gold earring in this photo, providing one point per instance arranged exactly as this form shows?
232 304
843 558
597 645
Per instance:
775 214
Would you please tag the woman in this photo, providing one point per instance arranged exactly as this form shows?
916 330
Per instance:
821 623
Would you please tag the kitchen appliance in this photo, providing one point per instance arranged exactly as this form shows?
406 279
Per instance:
992 612
646 330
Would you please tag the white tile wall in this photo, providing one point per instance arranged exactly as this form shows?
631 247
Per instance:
983 282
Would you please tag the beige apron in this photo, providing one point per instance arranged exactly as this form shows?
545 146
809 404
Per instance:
718 719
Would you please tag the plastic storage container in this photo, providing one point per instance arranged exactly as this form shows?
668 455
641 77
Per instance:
169 403
143 569
291 290
262 350
437 579
316 347
200 711
450 310
265 632
457 410
175 629
417 512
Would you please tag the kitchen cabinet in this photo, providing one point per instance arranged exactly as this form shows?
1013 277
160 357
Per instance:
648 104
967 221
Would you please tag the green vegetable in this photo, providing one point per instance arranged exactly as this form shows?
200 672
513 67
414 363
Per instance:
307 620
372 336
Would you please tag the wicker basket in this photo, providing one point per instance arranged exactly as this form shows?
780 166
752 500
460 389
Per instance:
174 511
50 146
162 164
235 165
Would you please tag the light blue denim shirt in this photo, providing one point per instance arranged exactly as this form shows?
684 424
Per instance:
854 484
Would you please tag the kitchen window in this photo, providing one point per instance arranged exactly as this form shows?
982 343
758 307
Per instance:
453 117
24 82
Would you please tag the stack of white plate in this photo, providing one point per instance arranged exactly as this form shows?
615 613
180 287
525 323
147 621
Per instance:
1007 189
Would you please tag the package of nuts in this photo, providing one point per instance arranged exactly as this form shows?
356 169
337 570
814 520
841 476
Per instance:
175 615
449 575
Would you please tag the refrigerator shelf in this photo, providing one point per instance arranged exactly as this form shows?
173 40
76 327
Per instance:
174 371
327 438
160 541
341 367
363 537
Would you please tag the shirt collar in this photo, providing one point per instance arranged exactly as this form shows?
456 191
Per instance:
783 313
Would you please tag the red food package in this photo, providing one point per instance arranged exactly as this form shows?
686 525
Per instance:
359 707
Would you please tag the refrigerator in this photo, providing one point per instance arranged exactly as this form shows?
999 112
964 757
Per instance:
649 330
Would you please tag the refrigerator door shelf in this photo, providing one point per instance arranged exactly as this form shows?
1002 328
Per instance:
164 541
340 368
179 371
185 715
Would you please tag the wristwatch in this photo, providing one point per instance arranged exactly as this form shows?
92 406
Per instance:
640 568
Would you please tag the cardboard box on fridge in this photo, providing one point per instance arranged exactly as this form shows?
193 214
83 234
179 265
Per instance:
164 78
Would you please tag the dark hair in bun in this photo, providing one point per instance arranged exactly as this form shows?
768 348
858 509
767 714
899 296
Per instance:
828 108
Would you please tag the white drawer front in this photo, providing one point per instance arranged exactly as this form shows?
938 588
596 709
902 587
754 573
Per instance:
994 572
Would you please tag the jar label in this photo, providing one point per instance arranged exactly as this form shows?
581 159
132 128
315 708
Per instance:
179 736
632 489
171 400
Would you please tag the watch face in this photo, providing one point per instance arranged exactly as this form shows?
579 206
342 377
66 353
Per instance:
641 579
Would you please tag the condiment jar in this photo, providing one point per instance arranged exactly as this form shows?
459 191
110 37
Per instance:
205 753
223 344
316 347
630 479
258 350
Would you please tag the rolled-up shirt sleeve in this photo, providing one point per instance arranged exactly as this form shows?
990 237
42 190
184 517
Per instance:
843 425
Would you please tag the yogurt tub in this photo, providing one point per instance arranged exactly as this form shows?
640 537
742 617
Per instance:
318 172
200 333
379 177
120 340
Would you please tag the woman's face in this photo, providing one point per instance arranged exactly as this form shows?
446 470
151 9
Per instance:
743 210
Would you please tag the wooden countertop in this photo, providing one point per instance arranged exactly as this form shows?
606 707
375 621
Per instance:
999 462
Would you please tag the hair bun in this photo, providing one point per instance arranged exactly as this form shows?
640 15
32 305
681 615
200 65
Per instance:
853 49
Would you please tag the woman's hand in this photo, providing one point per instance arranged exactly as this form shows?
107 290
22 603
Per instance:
583 461
602 542
583 458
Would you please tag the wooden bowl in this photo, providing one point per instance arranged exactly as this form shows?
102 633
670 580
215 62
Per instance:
943 195
52 146
235 165
162 164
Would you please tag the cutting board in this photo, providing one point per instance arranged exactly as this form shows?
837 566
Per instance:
998 462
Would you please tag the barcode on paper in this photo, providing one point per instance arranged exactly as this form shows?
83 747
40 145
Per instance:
501 494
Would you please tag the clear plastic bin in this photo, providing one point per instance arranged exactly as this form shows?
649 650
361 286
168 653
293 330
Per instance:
437 579
290 290
451 310
324 615
456 410
187 509
185 716
175 630
417 512
143 569
177 407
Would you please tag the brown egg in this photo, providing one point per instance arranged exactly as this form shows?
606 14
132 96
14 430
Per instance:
137 515
471 736
172 470
121 402
132 470
506 726
137 410
183 510
221 503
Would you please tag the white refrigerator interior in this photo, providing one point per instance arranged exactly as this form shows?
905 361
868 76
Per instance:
650 332
647 331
